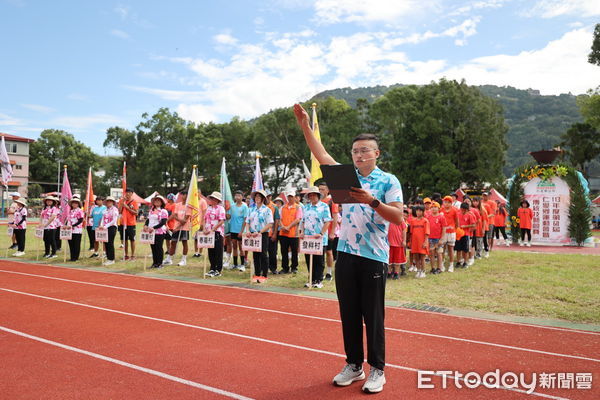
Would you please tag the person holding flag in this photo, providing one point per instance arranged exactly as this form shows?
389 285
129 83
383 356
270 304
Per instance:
182 215
75 223
49 222
363 254
129 209
156 222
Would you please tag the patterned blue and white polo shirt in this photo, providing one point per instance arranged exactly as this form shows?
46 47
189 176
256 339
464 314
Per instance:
314 218
364 232
258 218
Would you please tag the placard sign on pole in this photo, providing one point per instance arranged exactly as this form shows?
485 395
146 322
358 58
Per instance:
66 233
10 231
39 233
147 237
252 243
311 245
101 234
205 241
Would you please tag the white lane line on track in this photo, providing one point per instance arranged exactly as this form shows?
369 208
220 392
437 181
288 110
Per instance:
309 317
258 339
255 290
127 365
308 297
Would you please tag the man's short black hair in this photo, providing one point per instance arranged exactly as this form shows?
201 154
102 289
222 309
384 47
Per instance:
464 206
323 183
367 136
238 192
454 195
130 190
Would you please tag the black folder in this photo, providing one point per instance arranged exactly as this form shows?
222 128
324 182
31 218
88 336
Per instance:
340 178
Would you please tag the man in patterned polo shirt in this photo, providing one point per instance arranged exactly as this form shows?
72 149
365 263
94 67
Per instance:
363 252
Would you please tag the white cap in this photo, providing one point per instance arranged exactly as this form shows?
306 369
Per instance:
15 194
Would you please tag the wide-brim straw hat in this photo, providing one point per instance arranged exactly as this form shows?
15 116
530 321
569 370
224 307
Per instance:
261 192
21 201
158 196
216 196
75 199
313 189
51 198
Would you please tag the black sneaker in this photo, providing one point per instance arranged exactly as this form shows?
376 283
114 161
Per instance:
94 255
294 270
402 270
14 246
395 276
328 277
196 255
282 272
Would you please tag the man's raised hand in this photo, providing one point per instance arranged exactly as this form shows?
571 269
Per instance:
302 117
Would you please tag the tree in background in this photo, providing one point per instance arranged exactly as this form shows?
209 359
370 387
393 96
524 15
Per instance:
594 56
581 144
57 146
440 135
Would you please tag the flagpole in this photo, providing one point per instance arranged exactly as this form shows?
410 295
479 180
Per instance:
123 189
66 220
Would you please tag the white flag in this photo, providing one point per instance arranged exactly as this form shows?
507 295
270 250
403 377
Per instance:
6 168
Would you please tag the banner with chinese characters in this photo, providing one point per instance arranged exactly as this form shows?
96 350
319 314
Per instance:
311 245
549 202
147 237
205 241
252 243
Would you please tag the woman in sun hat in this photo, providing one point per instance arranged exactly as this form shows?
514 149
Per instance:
258 222
156 221
19 225
49 218
75 222
214 220
109 221
315 222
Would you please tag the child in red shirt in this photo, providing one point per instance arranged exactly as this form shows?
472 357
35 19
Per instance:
466 221
437 225
397 239
419 239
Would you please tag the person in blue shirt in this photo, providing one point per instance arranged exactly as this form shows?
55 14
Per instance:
258 223
237 215
363 253
315 222
96 217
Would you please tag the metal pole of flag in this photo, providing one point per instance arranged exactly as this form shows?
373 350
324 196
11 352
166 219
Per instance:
310 272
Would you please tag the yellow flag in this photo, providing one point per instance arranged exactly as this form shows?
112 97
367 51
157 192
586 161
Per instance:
315 167
193 203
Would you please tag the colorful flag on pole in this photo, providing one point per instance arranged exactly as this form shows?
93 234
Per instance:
193 202
306 174
7 171
65 197
315 167
257 183
89 197
225 188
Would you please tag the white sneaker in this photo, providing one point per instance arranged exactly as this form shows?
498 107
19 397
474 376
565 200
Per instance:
486 254
507 243
470 262
108 262
528 244
182 263
19 254
168 261
443 269
317 285
375 382
350 373
521 244
241 268
451 268
229 266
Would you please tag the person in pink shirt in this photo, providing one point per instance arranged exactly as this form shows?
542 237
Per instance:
19 225
49 219
109 222
214 223
75 223
157 223
437 227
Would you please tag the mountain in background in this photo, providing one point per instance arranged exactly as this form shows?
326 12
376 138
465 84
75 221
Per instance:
535 121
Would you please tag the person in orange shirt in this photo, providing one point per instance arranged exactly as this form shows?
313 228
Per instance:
129 209
181 230
480 229
291 215
500 223
449 238
466 222
170 207
490 207
437 225
525 216
419 239
397 239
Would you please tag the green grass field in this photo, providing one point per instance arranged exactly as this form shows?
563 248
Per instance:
508 283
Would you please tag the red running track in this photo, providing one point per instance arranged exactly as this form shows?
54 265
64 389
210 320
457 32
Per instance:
246 342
